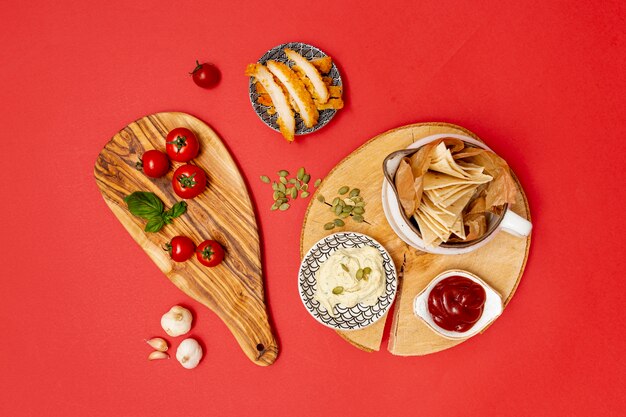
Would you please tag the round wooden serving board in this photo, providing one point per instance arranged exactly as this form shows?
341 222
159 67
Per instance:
500 263
233 289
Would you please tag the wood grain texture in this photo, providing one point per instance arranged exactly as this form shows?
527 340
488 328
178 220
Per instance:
500 263
224 212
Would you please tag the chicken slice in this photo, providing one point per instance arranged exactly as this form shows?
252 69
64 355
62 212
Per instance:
286 120
319 91
297 91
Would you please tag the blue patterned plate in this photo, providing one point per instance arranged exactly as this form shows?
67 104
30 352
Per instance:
359 316
277 54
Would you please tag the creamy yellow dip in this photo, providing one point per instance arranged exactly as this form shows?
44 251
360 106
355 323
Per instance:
337 282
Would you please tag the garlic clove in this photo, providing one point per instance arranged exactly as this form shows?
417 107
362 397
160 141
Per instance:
158 344
158 355
177 321
189 353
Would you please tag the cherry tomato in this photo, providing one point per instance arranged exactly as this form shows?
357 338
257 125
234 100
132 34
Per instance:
154 163
180 248
205 75
210 253
182 145
189 181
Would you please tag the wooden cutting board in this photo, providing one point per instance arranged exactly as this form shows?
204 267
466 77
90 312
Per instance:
233 289
500 263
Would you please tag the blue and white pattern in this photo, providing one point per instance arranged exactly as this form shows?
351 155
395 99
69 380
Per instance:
359 316
277 54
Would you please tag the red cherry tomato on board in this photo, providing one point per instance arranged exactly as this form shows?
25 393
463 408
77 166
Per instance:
180 248
210 253
189 181
205 75
154 163
181 145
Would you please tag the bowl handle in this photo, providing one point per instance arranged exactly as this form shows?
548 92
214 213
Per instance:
515 224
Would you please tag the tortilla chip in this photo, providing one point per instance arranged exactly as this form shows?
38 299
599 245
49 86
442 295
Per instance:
434 180
404 185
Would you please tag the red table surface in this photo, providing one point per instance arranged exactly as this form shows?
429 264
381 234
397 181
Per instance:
542 82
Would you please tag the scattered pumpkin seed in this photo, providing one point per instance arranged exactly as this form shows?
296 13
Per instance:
347 209
283 173
300 174
284 207
282 188
338 210
343 190
345 268
283 180
320 198
294 193
306 178
358 210
359 204
305 194
337 290
359 274
304 187
265 179
329 226
343 215
317 182
278 194
274 207
339 223
358 218
355 192
367 270
293 181
275 186
336 201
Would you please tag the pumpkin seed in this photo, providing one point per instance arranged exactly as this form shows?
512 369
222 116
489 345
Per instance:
336 201
301 173
355 192
304 187
339 223
283 173
282 200
265 179
317 182
345 268
305 194
338 210
294 193
284 207
293 181
329 226
358 218
359 274
358 210
274 207
282 188
347 209
275 186
298 186
367 270
320 198
337 290
306 178
343 215
343 190
278 194
283 180
359 204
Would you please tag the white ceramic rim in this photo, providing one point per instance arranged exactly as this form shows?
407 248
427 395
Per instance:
391 206
493 306
393 268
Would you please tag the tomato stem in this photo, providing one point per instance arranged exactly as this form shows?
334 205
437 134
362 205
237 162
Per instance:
179 142
198 67
139 165
207 252
168 248
187 181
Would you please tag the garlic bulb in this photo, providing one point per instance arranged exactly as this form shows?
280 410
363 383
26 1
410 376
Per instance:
158 355
177 321
157 344
189 353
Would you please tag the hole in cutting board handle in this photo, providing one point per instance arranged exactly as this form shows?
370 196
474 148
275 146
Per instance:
260 347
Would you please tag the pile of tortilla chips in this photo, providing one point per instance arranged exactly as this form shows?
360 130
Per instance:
450 189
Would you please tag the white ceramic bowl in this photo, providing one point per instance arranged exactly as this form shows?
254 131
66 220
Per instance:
511 223
493 306
353 318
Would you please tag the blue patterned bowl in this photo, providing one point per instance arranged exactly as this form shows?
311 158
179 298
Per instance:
277 54
359 316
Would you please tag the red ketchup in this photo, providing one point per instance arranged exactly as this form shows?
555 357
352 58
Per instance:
456 303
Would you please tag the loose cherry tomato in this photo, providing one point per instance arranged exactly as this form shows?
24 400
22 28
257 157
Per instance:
210 253
180 248
154 163
189 181
205 75
182 145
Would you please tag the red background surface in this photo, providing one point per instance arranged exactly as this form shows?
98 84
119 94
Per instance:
542 82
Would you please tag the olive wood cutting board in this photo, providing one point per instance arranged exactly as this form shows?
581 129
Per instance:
223 212
500 263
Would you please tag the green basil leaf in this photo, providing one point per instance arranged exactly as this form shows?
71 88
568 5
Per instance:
144 204
177 210
155 224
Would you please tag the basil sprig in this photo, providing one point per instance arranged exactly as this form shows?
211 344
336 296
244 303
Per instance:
150 207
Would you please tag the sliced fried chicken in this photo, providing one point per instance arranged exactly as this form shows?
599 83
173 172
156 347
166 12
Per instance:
286 120
298 92
319 90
